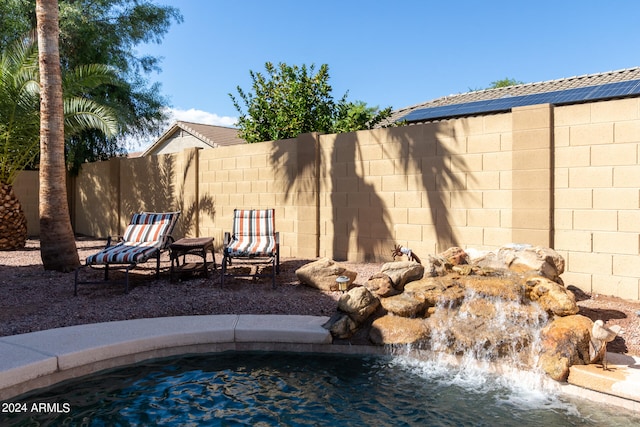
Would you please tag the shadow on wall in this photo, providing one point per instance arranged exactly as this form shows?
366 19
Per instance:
360 216
152 186
426 149
362 223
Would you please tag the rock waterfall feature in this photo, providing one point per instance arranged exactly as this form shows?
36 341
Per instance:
508 305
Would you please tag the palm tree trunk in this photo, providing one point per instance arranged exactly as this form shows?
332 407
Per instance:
57 242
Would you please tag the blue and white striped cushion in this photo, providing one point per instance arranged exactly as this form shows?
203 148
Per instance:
146 234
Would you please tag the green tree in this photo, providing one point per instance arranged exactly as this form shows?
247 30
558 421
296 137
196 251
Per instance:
504 83
354 116
290 100
20 122
105 32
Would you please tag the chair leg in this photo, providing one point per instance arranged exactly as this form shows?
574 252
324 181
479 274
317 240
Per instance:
126 280
75 285
273 273
158 266
224 270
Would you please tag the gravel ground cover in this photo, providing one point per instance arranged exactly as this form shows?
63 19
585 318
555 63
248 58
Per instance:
35 299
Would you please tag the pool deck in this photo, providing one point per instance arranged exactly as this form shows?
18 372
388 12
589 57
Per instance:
39 359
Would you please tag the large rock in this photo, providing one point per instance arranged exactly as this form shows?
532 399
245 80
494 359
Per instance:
442 291
455 256
506 287
381 285
341 325
406 305
523 258
552 297
402 272
392 329
322 274
358 304
565 342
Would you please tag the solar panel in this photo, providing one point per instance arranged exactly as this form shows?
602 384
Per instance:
559 97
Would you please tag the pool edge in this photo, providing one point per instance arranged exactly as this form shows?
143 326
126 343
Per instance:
40 359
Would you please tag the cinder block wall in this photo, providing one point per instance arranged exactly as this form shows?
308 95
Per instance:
280 175
597 195
26 188
427 187
565 177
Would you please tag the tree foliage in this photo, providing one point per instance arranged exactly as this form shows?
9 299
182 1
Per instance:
105 32
504 83
20 111
290 100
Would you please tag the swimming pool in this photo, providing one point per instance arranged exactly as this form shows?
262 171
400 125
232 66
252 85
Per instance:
298 389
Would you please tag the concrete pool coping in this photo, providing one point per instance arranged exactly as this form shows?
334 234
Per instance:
40 359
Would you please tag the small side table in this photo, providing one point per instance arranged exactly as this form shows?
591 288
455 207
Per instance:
191 246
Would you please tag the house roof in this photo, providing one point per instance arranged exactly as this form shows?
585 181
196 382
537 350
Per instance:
566 90
211 135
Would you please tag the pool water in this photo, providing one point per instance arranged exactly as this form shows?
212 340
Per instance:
297 389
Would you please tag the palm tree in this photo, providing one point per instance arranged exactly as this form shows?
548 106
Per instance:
20 126
57 242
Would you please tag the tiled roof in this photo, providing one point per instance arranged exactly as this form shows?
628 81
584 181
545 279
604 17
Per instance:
212 135
523 89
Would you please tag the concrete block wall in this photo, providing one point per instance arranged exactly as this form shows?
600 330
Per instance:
597 195
565 177
280 175
26 188
427 187
97 200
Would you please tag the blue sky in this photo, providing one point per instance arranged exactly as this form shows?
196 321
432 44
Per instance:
387 53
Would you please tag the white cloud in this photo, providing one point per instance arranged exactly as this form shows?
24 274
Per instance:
199 116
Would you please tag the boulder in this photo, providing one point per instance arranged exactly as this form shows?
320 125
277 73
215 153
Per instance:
554 298
437 291
437 266
565 342
455 256
390 329
341 326
381 285
402 272
507 287
322 274
358 304
523 258
405 304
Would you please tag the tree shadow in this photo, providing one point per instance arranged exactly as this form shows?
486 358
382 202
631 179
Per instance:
154 188
425 149
360 216
361 220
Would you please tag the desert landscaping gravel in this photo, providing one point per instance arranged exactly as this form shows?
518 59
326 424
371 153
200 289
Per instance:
34 299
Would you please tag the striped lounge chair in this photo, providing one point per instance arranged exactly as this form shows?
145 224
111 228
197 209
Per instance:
146 236
253 239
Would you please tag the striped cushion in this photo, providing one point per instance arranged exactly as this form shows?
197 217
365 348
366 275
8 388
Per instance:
149 227
253 233
146 234
125 253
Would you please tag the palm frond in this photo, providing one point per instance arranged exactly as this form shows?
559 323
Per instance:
81 114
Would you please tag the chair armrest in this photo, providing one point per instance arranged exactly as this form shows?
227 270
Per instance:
227 239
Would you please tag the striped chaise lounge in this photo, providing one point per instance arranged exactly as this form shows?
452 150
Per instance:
146 236
253 239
